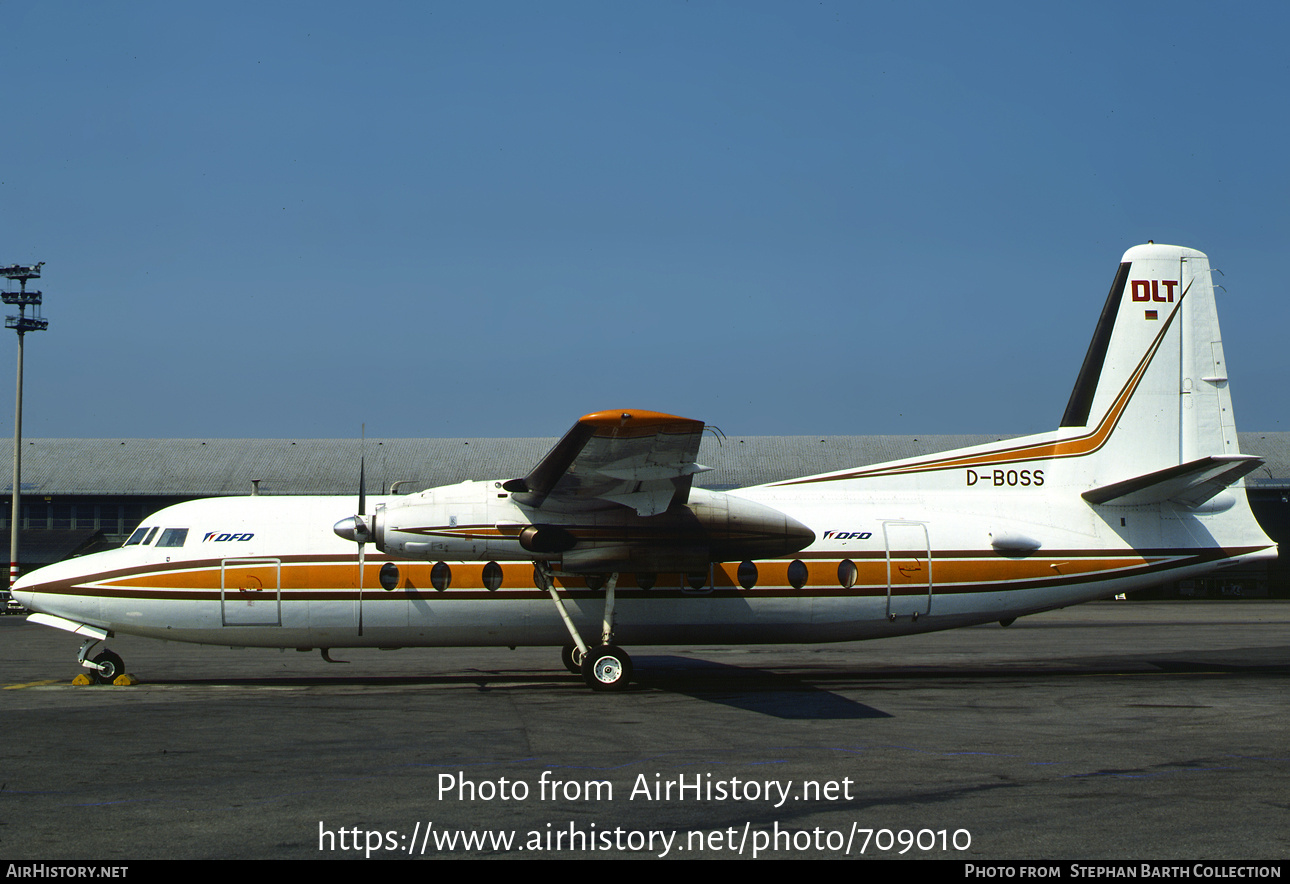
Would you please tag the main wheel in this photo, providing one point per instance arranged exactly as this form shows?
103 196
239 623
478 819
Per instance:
112 666
607 668
571 657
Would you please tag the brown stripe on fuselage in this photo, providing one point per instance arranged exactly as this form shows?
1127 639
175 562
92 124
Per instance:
951 573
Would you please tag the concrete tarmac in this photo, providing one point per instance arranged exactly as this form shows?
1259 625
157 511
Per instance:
1117 730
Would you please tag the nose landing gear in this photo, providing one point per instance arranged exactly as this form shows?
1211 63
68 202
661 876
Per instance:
105 666
110 665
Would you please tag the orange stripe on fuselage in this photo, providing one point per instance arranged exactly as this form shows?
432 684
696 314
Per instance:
948 573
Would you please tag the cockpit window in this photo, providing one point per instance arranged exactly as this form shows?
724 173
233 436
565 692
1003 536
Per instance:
173 537
137 537
151 534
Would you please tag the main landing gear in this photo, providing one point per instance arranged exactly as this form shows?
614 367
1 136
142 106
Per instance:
604 667
571 657
607 668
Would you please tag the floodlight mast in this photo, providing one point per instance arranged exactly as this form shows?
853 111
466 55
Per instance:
22 323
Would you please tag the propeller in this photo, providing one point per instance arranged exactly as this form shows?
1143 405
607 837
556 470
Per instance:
362 532
357 528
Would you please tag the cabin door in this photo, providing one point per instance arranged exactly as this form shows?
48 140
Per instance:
909 569
251 592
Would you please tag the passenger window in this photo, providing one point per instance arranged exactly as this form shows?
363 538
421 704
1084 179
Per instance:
173 537
847 573
137 537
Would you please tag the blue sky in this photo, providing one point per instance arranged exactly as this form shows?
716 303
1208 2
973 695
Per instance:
486 219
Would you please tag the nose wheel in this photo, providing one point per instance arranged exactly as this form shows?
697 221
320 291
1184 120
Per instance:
110 665
105 666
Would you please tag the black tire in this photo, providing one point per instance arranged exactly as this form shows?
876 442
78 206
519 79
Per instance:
607 668
112 665
571 657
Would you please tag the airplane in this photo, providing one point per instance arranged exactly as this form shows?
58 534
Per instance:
606 536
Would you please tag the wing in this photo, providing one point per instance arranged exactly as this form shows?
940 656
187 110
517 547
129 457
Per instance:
640 459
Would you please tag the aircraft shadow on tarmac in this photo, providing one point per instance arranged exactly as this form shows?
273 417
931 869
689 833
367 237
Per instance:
778 694
754 690
798 695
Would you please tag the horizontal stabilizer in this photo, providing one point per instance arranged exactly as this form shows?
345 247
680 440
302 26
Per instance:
1189 484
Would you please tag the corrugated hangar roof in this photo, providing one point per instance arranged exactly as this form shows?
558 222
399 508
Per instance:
216 467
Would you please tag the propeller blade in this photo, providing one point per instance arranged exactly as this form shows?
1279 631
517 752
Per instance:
362 464
362 511
362 486
360 520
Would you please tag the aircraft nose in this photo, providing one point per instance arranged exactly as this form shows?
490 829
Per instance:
24 590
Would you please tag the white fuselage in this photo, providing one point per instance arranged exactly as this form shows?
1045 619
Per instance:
264 571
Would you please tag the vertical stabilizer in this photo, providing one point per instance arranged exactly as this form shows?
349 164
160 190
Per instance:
1153 388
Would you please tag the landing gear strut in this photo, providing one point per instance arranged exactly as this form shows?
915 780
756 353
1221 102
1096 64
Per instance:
603 667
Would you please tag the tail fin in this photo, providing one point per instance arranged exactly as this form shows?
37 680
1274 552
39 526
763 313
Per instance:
1150 418
1153 388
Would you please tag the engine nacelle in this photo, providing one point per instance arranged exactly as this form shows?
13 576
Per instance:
476 521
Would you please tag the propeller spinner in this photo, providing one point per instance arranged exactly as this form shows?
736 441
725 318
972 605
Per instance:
358 529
